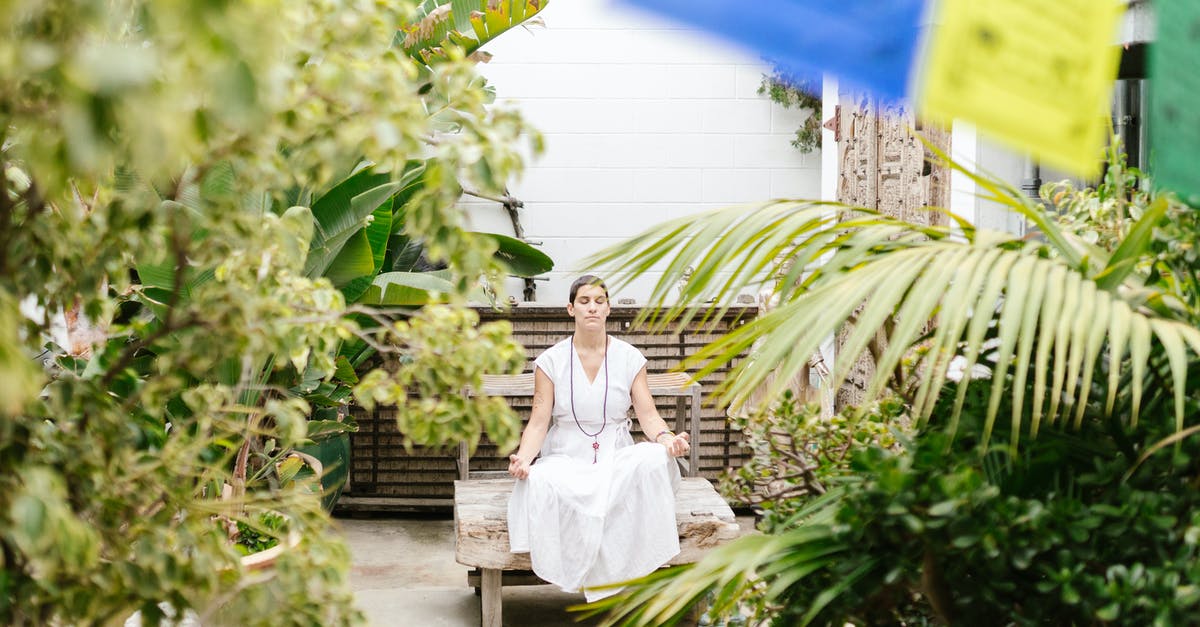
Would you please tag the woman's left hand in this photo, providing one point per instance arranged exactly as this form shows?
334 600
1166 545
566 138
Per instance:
678 446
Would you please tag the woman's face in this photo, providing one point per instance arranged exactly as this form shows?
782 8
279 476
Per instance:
590 308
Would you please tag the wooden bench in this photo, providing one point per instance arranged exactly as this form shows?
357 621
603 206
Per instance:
481 533
481 500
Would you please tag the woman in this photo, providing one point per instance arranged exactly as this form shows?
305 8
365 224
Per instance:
596 508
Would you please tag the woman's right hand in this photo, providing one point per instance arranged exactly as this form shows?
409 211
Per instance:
518 467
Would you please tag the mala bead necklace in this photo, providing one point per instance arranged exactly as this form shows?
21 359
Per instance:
594 436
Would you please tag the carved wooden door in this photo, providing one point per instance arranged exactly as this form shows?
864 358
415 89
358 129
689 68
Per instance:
883 166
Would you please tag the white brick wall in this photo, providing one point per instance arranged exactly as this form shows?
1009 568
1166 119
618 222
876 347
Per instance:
644 121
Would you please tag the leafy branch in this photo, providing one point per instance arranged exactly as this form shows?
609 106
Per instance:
792 92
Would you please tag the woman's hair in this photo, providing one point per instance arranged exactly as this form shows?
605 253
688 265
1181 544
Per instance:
587 279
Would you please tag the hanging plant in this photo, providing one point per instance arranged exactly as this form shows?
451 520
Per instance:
794 92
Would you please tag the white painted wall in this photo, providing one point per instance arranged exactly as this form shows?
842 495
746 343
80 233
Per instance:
644 121
985 156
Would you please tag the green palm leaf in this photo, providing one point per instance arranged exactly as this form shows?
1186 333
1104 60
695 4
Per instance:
728 574
1051 319
353 261
1013 199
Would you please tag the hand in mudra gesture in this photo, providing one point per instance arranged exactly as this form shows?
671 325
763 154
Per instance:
518 467
678 445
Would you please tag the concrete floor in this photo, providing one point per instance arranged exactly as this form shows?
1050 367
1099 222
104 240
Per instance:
404 574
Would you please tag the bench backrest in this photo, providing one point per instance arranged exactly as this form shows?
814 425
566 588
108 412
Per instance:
671 384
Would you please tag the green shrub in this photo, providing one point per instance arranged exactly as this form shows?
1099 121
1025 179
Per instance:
795 453
1055 537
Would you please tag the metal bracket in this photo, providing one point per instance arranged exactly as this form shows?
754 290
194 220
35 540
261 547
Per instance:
835 123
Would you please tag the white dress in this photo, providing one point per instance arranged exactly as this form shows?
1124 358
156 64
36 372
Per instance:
588 523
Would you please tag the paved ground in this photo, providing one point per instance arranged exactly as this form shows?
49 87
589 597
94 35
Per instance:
404 574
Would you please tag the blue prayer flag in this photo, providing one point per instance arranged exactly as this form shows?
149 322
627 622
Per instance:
868 43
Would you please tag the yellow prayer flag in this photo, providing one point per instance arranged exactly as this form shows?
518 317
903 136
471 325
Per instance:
1035 74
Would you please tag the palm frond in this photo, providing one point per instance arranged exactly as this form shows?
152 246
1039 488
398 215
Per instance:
754 245
1052 320
774 563
1005 195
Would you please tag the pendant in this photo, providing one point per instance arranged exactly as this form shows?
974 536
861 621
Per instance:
595 450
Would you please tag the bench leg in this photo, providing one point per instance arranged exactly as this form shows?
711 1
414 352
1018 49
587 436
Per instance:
490 599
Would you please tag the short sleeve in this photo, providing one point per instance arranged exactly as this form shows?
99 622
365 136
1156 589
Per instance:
546 361
635 360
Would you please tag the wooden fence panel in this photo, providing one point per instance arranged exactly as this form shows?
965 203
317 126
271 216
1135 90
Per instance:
382 469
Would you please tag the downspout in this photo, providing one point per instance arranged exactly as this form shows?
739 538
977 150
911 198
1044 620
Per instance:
1121 118
511 206
1031 179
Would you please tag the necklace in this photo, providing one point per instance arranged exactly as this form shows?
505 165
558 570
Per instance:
594 436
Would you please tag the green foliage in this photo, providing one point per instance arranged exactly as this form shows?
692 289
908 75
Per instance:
1054 537
463 25
158 159
519 258
933 531
442 344
19 376
1103 216
262 534
792 92
985 514
362 245
826 261
795 454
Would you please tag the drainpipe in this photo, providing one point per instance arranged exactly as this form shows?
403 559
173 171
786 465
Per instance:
1143 132
1031 181
1121 117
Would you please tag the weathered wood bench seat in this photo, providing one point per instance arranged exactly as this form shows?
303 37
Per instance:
481 500
481 531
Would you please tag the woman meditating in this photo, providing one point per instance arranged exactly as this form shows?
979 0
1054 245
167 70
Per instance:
596 508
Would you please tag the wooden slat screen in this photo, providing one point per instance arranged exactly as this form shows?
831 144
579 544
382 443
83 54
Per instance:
380 466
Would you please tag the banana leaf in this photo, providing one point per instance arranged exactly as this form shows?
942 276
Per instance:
521 259
341 212
464 24
364 262
405 289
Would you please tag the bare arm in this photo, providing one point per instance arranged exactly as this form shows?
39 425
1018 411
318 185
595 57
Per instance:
535 431
652 424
